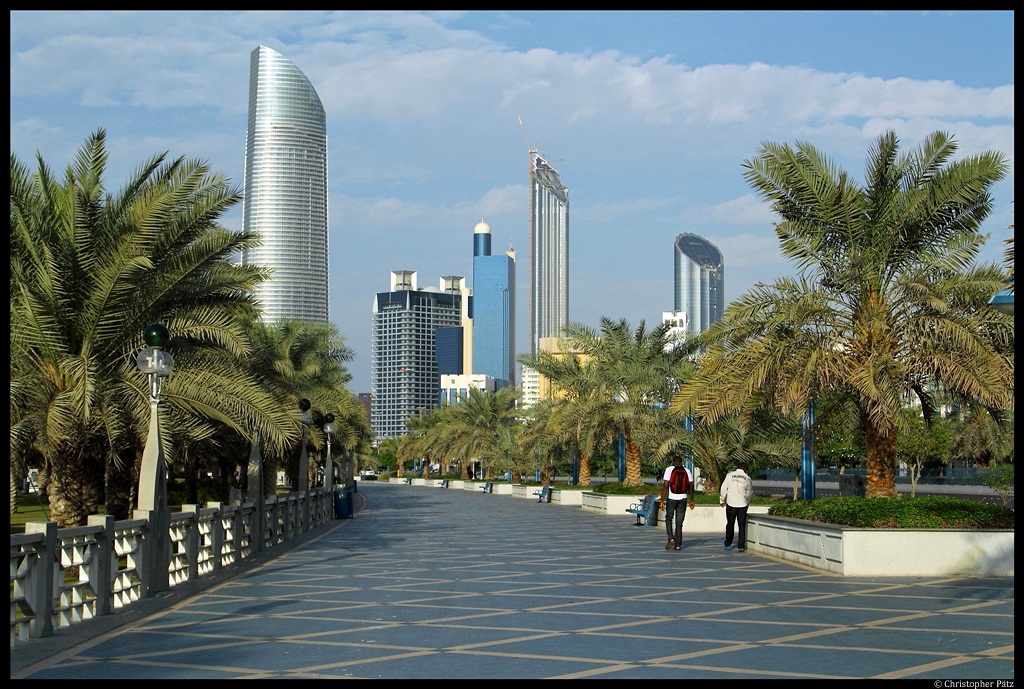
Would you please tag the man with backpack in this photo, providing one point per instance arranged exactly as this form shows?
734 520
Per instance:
677 485
737 488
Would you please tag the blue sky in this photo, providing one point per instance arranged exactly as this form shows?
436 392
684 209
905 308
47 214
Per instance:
651 113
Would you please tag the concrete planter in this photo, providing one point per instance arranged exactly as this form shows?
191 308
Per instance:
709 518
566 497
502 488
862 552
520 491
608 504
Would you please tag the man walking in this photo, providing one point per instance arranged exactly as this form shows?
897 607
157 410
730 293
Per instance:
737 488
676 485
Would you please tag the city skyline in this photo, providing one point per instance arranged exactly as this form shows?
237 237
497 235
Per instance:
285 189
648 117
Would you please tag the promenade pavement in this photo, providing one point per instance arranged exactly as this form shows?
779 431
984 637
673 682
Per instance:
433 583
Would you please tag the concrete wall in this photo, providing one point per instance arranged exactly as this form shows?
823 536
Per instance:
883 552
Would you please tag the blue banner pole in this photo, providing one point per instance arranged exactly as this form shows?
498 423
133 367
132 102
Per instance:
807 455
622 458
688 425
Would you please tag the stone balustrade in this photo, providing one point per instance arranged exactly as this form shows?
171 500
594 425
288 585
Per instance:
113 558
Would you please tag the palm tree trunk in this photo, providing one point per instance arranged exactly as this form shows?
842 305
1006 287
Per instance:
118 484
881 460
633 477
584 479
14 492
465 470
74 494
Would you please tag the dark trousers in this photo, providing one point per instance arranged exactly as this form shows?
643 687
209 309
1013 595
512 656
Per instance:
732 515
677 509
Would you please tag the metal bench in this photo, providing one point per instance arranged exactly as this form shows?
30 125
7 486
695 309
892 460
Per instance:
544 494
444 483
408 481
486 487
647 510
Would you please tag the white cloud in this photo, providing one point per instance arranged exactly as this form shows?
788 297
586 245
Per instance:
747 210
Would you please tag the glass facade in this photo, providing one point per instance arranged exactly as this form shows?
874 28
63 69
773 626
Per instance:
699 282
403 365
494 310
286 188
448 350
549 252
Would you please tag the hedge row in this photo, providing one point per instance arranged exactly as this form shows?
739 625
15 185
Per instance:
898 513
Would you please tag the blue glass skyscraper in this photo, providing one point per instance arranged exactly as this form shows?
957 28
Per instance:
494 309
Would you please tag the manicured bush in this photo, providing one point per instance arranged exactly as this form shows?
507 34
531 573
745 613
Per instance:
898 513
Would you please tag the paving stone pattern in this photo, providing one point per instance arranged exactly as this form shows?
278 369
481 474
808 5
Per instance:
434 583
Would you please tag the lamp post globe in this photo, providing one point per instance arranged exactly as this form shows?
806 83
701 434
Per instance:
156 335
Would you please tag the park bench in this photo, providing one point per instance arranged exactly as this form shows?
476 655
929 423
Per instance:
444 483
544 494
647 509
408 481
486 487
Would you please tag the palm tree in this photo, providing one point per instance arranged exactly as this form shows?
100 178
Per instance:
480 426
980 439
299 360
584 414
89 271
718 447
887 301
620 377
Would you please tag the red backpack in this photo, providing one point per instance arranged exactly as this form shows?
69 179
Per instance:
679 482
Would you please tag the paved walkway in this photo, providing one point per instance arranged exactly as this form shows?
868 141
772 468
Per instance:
432 583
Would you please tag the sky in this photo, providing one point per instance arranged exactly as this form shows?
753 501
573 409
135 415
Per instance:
646 116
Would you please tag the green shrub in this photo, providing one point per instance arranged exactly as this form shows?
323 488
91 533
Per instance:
898 513
619 489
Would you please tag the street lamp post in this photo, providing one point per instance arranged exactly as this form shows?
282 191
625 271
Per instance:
328 465
157 365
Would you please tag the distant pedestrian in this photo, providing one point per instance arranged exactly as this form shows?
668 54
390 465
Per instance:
677 484
734 496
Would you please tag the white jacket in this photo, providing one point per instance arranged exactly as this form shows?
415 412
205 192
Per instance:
737 488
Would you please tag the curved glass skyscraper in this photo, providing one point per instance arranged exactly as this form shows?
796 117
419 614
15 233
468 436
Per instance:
700 282
286 188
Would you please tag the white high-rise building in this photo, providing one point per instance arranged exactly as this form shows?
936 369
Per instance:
549 252
286 188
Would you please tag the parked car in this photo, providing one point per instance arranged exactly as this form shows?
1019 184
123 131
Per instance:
368 474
